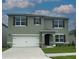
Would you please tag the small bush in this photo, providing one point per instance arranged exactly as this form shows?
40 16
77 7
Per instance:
59 45
8 46
73 43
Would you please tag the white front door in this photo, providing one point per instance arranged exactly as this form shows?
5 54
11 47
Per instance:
25 41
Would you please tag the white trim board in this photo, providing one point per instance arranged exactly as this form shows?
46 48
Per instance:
25 34
59 34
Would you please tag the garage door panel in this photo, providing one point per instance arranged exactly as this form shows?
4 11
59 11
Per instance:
25 41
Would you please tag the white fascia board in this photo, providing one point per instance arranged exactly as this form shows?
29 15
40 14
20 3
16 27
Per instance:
25 34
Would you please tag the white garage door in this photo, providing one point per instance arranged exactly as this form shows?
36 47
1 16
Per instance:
25 41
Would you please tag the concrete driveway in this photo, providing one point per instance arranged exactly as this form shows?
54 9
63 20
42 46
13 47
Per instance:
24 53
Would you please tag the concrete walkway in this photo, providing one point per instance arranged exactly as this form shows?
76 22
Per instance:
24 53
60 54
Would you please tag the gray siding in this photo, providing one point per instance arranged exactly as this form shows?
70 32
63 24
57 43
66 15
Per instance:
31 28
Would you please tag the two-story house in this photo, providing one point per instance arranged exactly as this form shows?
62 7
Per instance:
30 30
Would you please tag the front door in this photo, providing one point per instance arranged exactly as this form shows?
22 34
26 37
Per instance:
47 37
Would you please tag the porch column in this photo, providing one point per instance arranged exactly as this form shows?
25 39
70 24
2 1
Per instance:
54 40
51 40
43 40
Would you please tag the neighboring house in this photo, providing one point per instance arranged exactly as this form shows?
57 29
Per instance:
4 35
72 37
30 30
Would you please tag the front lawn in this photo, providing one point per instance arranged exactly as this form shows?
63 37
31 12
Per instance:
64 57
62 49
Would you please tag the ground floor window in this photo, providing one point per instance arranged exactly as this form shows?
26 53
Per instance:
59 38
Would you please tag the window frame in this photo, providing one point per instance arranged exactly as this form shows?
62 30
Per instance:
58 24
20 21
59 38
37 20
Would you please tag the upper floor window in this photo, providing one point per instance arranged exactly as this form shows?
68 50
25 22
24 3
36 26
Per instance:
37 20
59 38
58 23
20 21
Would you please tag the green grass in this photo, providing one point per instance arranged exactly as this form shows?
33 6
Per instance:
3 49
62 49
64 57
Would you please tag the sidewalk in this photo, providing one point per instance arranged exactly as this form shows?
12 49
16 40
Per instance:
60 54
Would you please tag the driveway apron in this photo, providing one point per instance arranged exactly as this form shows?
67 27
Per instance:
24 53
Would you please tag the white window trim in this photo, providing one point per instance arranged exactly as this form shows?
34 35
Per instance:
59 34
59 37
20 23
20 26
58 27
59 42
58 24
37 24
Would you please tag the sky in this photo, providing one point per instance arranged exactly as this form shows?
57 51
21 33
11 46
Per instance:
58 8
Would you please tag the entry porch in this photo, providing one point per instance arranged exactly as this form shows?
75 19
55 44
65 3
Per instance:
47 38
